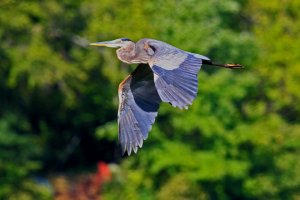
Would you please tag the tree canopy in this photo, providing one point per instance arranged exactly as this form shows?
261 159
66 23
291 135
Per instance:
58 105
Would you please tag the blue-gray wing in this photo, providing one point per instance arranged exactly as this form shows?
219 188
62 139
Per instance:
175 73
138 106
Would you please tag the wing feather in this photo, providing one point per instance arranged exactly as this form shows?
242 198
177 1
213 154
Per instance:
138 106
175 73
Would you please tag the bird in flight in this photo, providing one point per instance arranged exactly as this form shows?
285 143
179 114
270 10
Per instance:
164 74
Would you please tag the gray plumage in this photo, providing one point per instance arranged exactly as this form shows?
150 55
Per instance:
165 73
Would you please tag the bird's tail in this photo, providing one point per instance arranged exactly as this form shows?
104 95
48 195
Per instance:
230 66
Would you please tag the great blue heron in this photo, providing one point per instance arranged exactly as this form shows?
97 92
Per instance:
165 73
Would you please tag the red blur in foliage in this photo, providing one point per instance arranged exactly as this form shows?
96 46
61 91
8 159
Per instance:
104 171
82 187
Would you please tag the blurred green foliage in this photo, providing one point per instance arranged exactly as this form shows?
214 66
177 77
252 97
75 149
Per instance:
18 159
239 140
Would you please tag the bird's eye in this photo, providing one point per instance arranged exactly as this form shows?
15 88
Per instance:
125 39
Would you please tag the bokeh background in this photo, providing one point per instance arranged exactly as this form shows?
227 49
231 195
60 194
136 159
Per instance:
58 101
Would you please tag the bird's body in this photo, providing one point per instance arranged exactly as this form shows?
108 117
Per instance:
164 74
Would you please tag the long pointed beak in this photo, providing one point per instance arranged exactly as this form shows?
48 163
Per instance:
113 43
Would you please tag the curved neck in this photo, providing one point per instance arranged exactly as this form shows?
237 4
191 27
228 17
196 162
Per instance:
127 53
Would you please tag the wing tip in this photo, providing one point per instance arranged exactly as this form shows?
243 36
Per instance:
130 147
181 107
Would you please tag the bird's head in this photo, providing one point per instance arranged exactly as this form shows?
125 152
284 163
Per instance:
121 42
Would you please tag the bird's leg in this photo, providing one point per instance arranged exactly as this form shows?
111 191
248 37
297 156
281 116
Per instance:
230 66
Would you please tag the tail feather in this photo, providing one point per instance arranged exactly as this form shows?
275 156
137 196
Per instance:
230 66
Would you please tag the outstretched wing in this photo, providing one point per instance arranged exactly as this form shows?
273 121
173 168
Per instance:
138 106
175 73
